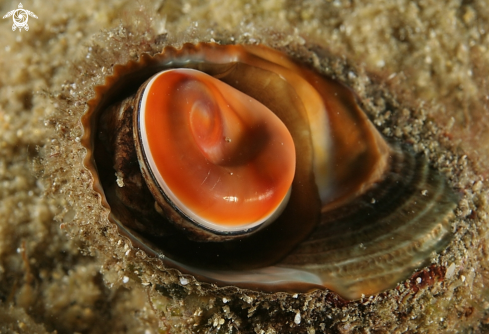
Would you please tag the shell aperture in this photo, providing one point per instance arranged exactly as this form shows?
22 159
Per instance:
358 220
232 160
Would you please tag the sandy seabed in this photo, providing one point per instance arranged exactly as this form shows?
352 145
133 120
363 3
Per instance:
63 269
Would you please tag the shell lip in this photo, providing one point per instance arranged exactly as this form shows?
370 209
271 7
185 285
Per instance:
287 286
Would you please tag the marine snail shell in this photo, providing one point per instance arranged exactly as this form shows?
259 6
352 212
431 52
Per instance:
344 209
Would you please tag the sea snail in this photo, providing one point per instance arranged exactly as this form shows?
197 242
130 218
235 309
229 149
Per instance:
242 167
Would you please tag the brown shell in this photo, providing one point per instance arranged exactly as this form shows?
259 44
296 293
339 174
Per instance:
390 210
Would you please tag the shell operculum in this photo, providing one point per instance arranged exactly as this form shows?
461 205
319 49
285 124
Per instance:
347 221
224 161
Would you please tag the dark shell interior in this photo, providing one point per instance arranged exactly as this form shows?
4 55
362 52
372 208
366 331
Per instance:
366 239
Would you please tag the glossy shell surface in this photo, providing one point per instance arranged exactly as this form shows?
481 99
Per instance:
362 213
232 159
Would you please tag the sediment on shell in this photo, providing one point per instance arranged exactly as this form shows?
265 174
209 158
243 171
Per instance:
390 213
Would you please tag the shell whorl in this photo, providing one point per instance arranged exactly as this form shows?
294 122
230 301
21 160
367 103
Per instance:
362 213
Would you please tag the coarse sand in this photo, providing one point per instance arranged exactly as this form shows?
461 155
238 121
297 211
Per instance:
419 67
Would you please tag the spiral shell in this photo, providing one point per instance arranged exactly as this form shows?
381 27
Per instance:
359 215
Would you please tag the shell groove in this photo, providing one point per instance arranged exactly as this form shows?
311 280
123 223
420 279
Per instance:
366 245
362 214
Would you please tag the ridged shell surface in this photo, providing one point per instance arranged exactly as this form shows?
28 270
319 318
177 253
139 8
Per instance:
362 215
